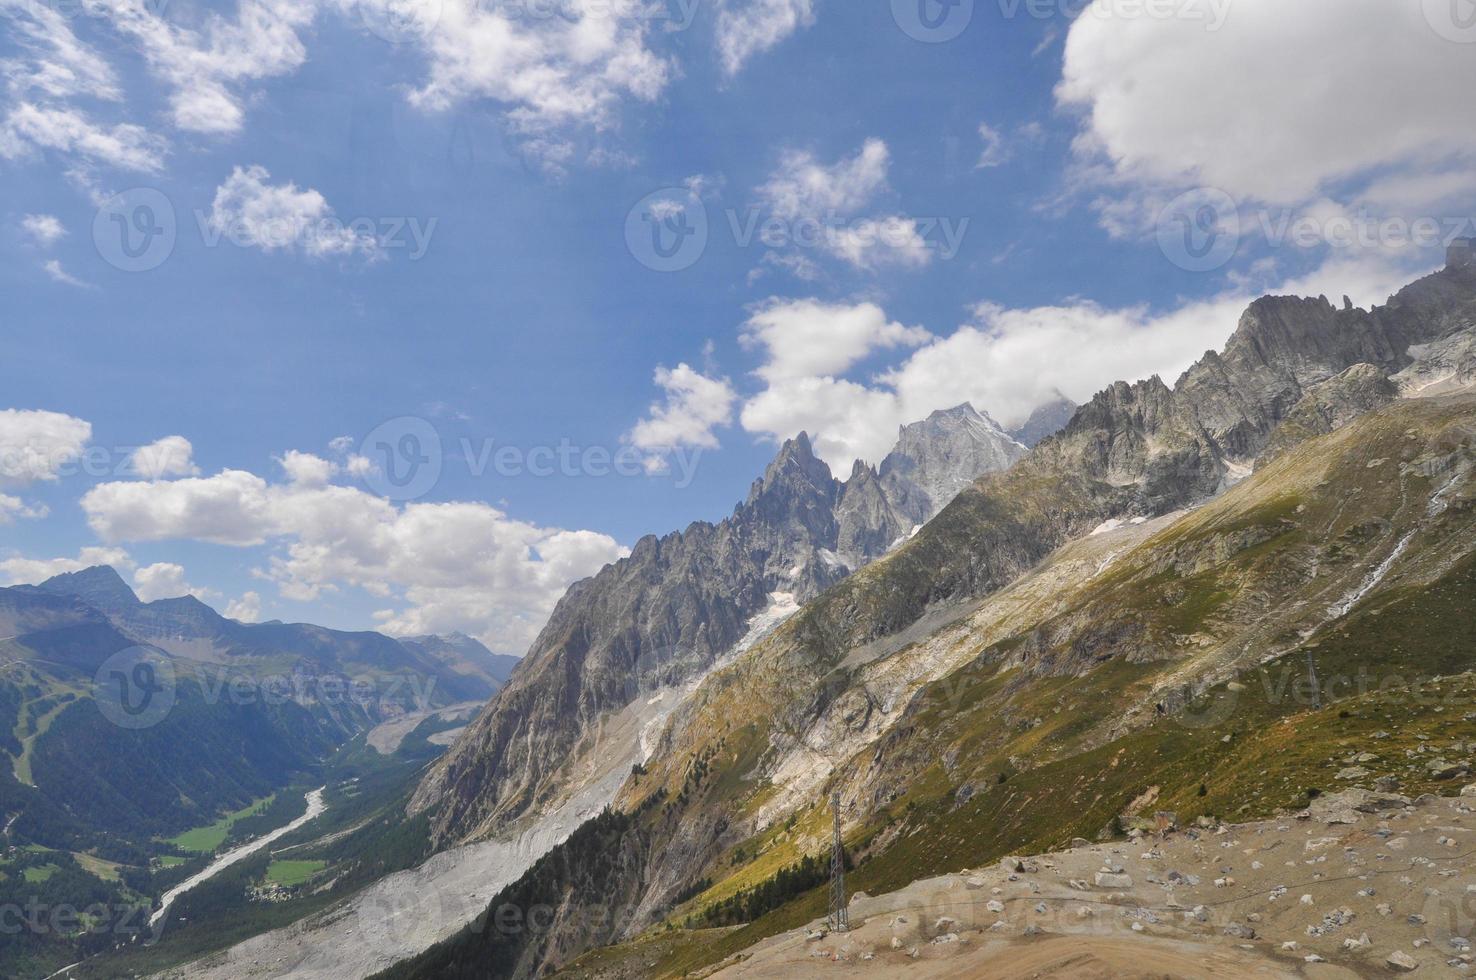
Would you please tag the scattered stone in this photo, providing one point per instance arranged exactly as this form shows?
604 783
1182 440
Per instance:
1106 879
1402 961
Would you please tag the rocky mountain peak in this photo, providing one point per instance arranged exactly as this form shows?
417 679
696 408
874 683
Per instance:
1045 421
794 468
99 586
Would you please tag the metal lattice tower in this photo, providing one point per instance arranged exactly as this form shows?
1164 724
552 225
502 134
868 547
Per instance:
1312 677
840 919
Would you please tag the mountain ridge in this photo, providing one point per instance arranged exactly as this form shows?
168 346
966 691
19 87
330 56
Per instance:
682 601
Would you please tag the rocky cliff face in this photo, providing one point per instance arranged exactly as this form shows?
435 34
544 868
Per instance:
1045 421
672 609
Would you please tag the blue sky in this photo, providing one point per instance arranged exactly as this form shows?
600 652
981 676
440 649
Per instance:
436 229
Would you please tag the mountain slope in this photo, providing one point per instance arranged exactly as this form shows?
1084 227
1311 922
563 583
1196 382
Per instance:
678 604
761 737
1105 677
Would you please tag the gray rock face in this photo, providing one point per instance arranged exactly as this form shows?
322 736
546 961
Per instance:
1329 406
1159 448
1045 421
678 603
933 461
936 458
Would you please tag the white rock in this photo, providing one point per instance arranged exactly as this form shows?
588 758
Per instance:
1400 960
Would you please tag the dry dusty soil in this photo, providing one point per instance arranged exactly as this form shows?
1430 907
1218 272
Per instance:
1361 885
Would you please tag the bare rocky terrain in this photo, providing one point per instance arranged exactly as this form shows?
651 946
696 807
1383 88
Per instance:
1361 884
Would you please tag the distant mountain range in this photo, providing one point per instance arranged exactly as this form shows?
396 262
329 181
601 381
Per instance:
246 705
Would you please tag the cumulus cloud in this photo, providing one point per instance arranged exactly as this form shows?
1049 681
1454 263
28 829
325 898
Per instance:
694 405
170 456
1006 361
824 207
802 338
246 609
803 187
206 67
1169 100
39 445
18 570
746 28
306 469
12 508
556 76
251 211
43 229
165 580
464 566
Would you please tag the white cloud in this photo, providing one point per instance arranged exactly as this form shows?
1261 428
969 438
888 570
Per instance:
170 456
57 64
205 67
12 508
1168 101
44 229
17 570
461 566
874 242
29 127
165 580
823 207
555 75
996 151
694 405
248 210
54 270
38 445
750 27
233 507
1005 361
307 469
803 338
803 187
246 609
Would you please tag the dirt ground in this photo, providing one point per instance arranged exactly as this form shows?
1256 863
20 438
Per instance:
1362 885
